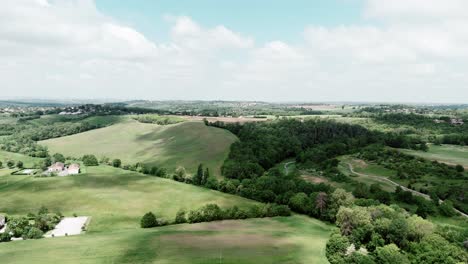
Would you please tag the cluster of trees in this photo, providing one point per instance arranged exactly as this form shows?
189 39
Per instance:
388 234
12 164
408 166
33 226
159 120
417 169
90 160
262 145
212 212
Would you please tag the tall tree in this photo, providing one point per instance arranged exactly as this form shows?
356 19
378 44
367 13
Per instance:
198 178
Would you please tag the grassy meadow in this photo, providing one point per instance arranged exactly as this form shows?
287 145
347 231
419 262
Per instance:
185 144
114 198
295 239
449 154
27 161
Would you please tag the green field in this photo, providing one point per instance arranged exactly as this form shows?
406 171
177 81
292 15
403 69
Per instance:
114 198
295 239
449 154
28 162
375 172
186 144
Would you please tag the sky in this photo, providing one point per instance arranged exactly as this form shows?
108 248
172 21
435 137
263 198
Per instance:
276 50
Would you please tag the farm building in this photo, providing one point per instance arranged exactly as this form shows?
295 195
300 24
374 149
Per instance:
73 169
63 170
456 121
56 167
2 221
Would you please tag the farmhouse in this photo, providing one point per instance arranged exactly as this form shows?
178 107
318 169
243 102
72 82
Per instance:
2 221
456 121
63 170
56 167
73 169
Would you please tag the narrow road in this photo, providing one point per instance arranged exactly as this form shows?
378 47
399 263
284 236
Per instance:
385 179
286 170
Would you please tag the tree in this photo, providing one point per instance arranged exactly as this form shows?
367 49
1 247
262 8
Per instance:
57 157
321 202
350 218
33 233
90 160
179 174
10 164
148 220
117 163
198 177
459 168
17 226
19 164
1 165
336 248
180 217
419 228
205 177
446 208
390 254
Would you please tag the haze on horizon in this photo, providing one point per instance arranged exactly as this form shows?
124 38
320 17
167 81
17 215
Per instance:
341 50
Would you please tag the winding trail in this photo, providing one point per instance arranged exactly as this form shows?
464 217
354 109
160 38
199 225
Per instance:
286 170
385 179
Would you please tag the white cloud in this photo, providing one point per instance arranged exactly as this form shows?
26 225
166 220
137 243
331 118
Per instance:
416 9
68 49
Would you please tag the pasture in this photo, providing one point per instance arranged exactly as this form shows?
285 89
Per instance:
449 154
185 144
114 198
28 161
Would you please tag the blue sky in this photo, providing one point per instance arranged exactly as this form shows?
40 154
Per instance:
295 50
265 20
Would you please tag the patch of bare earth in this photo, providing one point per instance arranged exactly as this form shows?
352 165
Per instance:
314 179
360 163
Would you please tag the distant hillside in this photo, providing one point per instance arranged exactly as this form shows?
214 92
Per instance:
186 144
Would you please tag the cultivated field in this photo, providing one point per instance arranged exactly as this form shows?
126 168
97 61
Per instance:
449 154
186 144
295 239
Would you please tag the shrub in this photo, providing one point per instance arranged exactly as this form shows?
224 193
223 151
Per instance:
180 217
116 163
90 160
148 220
33 233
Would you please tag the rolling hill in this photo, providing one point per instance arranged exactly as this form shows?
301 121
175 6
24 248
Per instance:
186 144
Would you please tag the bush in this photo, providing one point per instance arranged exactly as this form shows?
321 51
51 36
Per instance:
180 217
5 237
116 163
33 233
148 220
90 160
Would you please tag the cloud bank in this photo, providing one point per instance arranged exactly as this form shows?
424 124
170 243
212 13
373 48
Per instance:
407 51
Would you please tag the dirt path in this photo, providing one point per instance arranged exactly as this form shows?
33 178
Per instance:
385 179
286 170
